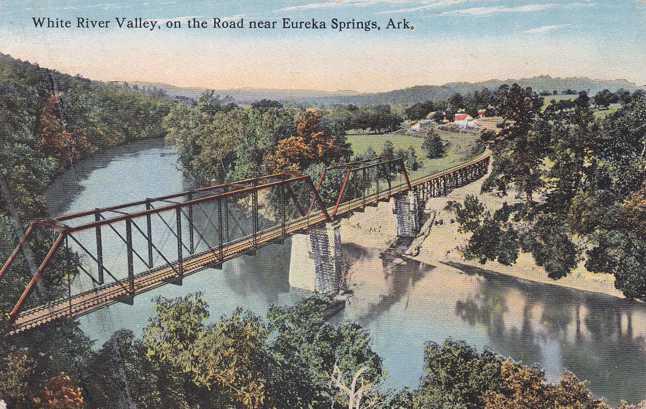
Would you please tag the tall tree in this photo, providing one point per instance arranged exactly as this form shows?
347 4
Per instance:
578 184
433 145
311 143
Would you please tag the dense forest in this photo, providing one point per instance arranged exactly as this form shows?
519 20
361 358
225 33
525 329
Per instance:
577 185
51 120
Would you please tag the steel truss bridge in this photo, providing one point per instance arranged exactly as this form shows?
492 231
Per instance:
111 254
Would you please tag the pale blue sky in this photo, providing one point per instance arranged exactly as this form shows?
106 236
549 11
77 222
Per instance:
453 40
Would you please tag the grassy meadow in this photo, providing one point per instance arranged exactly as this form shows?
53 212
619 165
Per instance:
560 97
460 147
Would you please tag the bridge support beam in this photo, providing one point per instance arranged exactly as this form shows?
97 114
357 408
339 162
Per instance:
408 209
316 262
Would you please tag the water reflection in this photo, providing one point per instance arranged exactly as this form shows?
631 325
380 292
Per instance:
593 335
399 276
266 275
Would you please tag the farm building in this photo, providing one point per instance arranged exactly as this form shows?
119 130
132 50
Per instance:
465 121
422 125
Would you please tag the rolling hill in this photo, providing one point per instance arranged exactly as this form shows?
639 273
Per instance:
404 96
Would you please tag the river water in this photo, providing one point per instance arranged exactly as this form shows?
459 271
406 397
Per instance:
598 337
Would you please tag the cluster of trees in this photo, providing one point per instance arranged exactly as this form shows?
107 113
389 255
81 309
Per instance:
577 187
605 97
409 155
218 140
470 103
292 358
601 99
376 119
458 376
50 120
419 110
484 99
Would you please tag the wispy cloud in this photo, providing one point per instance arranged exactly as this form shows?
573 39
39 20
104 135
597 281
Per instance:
486 11
342 3
411 6
425 6
546 29
527 8
309 6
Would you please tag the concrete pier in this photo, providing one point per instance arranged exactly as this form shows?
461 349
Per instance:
316 261
408 209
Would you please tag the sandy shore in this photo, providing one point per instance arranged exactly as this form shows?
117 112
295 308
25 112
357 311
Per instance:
375 228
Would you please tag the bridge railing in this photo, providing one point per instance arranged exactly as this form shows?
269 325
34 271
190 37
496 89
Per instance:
119 243
115 252
362 179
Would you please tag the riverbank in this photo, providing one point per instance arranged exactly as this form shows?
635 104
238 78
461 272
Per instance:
375 228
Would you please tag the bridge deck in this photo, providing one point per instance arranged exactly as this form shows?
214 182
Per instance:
89 301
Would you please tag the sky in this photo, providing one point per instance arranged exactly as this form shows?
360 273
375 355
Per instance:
452 40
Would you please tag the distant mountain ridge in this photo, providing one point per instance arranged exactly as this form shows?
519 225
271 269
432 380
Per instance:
421 93
248 94
405 96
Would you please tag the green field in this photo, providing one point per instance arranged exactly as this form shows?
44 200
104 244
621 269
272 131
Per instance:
602 113
561 97
460 148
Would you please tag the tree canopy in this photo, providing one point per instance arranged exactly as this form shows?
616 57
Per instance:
576 188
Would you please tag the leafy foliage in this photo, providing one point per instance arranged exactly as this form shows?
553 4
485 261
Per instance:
456 376
419 110
311 143
578 184
242 360
433 145
60 393
524 387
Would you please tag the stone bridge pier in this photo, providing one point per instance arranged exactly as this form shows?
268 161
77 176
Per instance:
408 209
316 262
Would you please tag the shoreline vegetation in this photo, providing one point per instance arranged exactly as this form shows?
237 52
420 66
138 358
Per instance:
441 247
291 357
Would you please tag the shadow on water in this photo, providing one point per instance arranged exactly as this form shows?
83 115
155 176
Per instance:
399 276
591 334
265 275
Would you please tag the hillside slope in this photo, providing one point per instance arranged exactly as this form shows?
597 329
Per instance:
406 96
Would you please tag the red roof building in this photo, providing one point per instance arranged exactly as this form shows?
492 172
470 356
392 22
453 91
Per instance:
462 117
